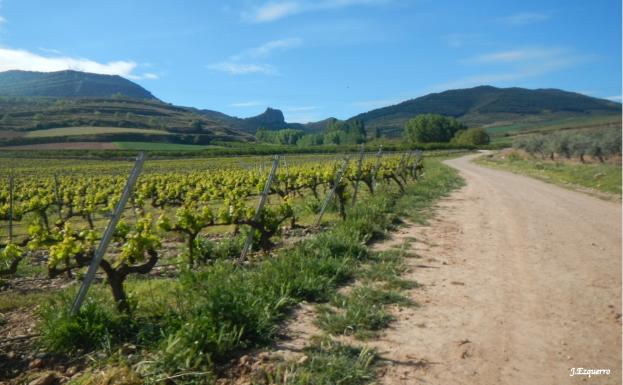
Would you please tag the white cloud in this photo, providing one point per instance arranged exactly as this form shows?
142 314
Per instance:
518 55
275 10
252 103
238 64
235 68
15 59
522 18
616 98
268 48
517 64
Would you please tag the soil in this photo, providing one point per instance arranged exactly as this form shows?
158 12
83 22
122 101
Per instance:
521 282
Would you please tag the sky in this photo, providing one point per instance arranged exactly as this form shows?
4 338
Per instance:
319 58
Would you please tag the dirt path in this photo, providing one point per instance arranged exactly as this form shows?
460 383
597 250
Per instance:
523 283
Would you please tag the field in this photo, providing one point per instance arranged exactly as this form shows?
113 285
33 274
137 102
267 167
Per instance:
176 255
506 133
79 131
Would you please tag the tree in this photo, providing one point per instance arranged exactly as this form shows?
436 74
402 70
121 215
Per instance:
430 128
471 137
196 124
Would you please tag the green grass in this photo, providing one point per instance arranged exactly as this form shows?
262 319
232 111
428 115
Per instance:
360 313
149 146
605 178
14 300
328 363
74 131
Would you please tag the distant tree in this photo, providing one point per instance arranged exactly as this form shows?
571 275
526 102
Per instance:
345 132
377 132
472 137
430 128
6 120
196 124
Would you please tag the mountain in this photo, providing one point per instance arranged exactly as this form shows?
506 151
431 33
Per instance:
75 106
69 84
271 119
487 105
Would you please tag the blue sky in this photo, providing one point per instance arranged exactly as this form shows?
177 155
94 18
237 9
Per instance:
315 59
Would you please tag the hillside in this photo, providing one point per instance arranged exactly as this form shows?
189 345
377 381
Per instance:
39 120
69 84
271 119
489 106
70 106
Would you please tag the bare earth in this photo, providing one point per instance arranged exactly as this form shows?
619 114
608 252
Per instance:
521 282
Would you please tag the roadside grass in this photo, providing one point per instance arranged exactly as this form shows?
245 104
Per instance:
604 178
386 268
218 311
361 313
328 363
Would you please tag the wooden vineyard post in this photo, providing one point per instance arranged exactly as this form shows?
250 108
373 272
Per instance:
376 167
108 233
338 178
359 161
260 207
11 208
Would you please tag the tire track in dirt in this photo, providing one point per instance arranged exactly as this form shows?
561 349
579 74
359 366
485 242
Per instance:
523 282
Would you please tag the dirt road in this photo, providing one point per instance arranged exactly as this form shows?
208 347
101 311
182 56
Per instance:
521 282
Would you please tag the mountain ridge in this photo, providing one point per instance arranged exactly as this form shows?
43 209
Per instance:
69 84
37 100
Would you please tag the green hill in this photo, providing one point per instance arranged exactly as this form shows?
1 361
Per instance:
32 120
491 106
271 119
69 84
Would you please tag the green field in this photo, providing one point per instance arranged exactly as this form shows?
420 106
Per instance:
78 131
600 178
521 128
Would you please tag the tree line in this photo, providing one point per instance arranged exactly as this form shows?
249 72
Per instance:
427 128
599 145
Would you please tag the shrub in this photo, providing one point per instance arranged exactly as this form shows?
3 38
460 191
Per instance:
430 128
471 137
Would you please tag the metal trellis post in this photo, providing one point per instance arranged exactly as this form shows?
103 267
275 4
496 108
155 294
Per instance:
260 207
338 178
376 167
359 162
108 233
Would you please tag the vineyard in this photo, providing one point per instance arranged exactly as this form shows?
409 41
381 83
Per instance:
248 237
